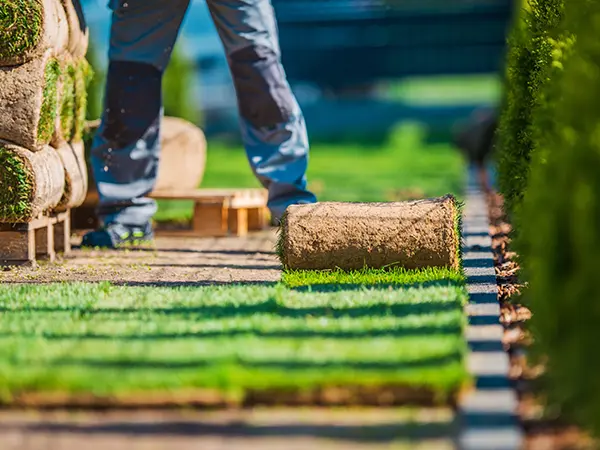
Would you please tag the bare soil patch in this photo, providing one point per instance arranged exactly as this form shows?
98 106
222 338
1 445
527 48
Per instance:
174 261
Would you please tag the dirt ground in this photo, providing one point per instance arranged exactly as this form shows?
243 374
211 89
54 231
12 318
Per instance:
236 430
174 261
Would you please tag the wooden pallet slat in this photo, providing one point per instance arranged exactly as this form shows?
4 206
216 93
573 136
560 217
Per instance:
42 238
221 212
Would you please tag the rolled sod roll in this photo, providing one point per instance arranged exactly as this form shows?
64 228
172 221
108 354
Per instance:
28 28
28 102
75 173
182 157
352 236
30 182
78 30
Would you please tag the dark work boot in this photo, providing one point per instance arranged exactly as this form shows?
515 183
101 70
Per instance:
117 235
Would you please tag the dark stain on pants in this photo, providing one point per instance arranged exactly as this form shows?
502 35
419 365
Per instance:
264 97
133 101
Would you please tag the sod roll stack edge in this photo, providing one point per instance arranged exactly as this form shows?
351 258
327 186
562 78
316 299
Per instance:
78 32
29 102
30 182
353 236
43 100
29 28
72 157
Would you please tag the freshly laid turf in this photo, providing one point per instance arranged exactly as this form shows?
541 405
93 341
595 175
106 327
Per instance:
391 276
110 341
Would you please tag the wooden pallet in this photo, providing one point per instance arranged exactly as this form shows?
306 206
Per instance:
222 212
40 239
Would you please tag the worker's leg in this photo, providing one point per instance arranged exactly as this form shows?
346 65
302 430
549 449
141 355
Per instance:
125 150
272 123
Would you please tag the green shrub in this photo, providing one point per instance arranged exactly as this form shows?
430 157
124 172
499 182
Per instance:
559 239
532 44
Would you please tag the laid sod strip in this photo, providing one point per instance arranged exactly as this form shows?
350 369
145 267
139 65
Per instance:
20 26
235 342
339 279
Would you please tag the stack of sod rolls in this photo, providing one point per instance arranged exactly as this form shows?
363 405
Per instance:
43 83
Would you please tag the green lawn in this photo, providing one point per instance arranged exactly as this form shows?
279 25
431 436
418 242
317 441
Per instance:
447 90
404 167
319 329
109 340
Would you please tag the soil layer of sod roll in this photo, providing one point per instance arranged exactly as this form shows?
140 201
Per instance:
30 182
78 31
352 236
76 177
28 102
28 28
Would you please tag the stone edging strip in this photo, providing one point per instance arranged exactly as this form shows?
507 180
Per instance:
488 413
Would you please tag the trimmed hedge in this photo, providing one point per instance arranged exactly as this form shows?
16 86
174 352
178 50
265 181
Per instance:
532 44
559 236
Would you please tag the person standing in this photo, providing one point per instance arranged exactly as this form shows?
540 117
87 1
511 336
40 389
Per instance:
126 148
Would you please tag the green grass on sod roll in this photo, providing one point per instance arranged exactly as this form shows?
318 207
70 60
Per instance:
20 26
49 102
83 76
116 341
337 279
16 187
67 102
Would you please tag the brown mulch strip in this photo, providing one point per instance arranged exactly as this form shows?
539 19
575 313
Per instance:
364 396
542 432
